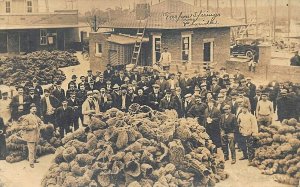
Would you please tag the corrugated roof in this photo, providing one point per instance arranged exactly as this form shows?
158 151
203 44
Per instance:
123 39
174 14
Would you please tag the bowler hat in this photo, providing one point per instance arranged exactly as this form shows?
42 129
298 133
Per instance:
32 105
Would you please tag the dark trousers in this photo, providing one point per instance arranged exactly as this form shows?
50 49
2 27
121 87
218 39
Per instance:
76 122
247 147
227 139
215 136
64 128
237 139
2 147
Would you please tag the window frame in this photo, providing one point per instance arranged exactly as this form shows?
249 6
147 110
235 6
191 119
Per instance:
29 7
7 7
97 53
43 36
189 36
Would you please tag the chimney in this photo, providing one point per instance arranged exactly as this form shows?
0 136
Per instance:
142 10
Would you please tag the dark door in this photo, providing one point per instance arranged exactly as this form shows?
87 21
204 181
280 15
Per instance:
206 52
61 40
24 42
3 42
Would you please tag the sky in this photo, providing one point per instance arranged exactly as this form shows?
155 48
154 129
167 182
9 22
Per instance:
85 5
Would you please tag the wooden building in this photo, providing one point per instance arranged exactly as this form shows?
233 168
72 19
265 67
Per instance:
192 35
24 28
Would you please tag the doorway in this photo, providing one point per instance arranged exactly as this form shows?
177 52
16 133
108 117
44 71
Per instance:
208 50
3 43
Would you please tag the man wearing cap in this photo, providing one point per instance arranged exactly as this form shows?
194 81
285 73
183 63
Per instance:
185 84
120 79
243 87
187 103
215 88
91 85
18 104
203 91
233 102
283 105
74 103
107 74
238 76
295 60
73 81
105 100
167 103
33 98
178 102
59 92
244 98
48 105
248 128
31 124
155 97
197 110
135 76
38 90
163 84
211 123
125 99
64 116
89 76
165 58
89 108
99 82
83 82
264 110
228 126
72 88
173 82
116 97
196 80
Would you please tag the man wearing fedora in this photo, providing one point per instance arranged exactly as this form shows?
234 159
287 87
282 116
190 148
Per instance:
32 124
73 81
64 116
18 104
165 58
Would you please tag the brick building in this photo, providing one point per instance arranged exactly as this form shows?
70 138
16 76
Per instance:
24 27
192 35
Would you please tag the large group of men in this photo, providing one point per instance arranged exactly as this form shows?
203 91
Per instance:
229 106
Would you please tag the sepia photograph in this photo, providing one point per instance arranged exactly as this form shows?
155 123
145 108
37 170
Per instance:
149 93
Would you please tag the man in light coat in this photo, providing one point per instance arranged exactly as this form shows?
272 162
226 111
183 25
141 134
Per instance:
32 123
89 108
248 128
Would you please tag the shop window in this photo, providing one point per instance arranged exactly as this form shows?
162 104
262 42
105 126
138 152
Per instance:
7 7
186 47
99 49
29 6
43 37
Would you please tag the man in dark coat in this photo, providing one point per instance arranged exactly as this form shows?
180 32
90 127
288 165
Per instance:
89 76
99 82
64 118
81 95
211 122
72 88
140 98
105 100
108 72
188 103
185 84
167 103
125 99
163 84
283 105
238 76
116 97
215 88
18 104
48 105
178 103
33 98
155 97
38 90
2 140
228 126
197 110
73 82
295 60
74 103
59 92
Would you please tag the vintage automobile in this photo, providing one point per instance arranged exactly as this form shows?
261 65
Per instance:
244 47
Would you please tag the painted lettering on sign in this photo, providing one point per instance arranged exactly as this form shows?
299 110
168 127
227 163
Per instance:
193 19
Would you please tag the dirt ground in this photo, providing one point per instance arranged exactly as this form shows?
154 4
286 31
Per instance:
21 175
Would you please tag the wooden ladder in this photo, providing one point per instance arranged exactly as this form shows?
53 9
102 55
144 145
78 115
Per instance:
138 44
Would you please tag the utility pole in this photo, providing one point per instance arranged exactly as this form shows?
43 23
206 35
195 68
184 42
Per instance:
256 16
217 6
246 22
207 5
289 22
274 21
47 5
231 14
200 3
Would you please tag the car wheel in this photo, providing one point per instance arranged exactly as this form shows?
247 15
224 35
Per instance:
249 54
